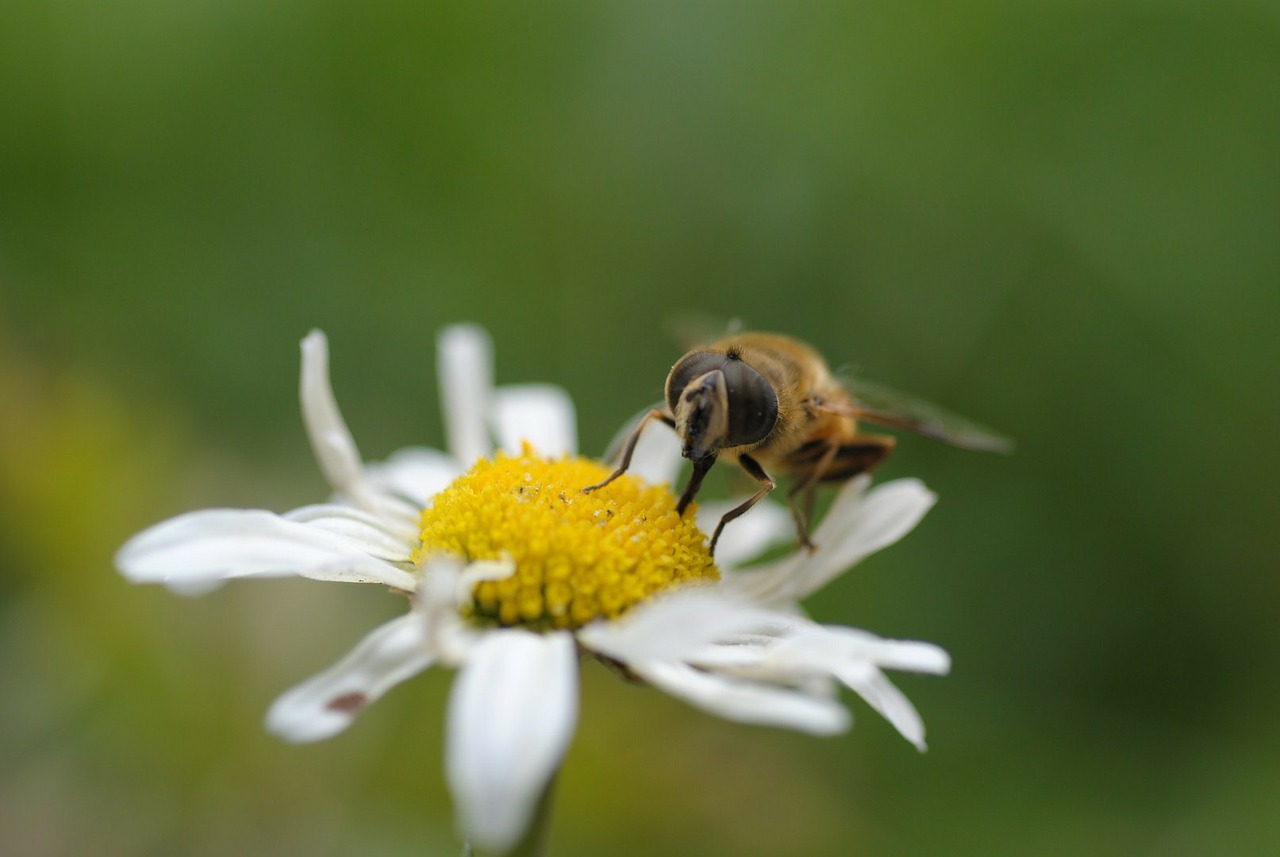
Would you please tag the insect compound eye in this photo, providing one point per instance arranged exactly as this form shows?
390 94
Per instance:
682 374
753 404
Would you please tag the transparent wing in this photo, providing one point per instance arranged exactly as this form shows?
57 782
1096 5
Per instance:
876 403
695 330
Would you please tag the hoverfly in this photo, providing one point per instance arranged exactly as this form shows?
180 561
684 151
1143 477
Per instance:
770 404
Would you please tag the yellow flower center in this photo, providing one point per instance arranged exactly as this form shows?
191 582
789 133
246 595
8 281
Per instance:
577 556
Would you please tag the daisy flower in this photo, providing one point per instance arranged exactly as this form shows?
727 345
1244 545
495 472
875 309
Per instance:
513 573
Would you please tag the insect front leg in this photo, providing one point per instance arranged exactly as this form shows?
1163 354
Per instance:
756 472
700 468
629 448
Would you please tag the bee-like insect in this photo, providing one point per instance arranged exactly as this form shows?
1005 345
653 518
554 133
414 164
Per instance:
770 403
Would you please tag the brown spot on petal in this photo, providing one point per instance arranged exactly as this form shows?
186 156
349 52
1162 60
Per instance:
348 703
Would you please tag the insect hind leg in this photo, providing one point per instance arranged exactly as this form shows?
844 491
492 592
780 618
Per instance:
835 463
860 455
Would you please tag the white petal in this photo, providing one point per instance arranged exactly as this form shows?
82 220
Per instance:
448 580
769 583
733 658
747 537
440 591
861 527
455 639
807 648
856 525
331 440
193 552
668 628
465 369
750 659
657 455
892 704
512 712
851 643
843 510
416 474
398 515
374 536
747 702
855 657
479 571
329 702
446 584
541 414
360 568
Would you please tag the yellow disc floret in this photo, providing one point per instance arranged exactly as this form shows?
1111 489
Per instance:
577 556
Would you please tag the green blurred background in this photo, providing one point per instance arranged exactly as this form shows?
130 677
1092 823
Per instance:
1062 218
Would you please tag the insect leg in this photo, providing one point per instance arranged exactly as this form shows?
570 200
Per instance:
808 487
756 472
700 469
629 448
862 453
